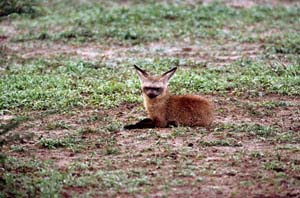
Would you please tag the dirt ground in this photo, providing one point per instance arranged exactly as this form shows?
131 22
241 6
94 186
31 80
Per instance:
240 164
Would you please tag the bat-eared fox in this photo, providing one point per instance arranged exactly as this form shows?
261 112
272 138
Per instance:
165 109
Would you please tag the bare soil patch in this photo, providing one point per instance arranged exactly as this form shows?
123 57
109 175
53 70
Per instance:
200 170
204 54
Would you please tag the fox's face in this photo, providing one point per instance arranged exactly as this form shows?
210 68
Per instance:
154 86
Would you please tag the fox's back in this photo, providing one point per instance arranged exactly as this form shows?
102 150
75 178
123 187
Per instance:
189 110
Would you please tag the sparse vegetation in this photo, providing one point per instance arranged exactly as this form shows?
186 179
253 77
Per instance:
57 125
29 7
67 88
59 142
230 142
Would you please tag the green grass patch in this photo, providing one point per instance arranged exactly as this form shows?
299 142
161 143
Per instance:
66 142
286 43
255 129
242 77
30 178
181 131
17 148
87 130
275 165
30 8
227 142
34 178
113 125
112 182
256 21
108 144
270 133
275 104
38 86
130 25
57 125
290 147
151 21
35 86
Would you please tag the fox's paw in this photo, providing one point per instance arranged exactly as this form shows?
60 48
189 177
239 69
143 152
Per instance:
143 124
129 126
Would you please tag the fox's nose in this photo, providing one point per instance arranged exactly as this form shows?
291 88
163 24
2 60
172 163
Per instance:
152 95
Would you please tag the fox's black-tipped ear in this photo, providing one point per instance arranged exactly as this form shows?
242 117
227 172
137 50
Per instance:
142 73
167 75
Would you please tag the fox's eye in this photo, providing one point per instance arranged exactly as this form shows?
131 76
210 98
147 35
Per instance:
156 89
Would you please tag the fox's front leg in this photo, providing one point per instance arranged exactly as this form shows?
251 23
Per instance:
149 123
143 124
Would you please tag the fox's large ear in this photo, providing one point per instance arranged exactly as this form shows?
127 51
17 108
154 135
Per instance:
167 75
142 73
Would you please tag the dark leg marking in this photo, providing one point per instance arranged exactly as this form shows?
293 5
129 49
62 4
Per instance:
143 124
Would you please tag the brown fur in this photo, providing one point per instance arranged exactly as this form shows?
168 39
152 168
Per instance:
164 108
185 110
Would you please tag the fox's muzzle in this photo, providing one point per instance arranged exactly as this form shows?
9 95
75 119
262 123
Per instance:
152 92
152 95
